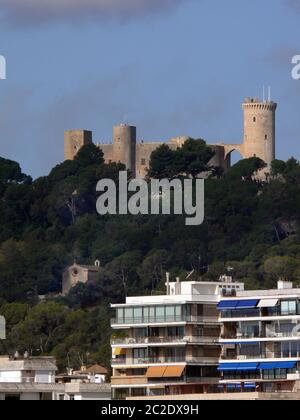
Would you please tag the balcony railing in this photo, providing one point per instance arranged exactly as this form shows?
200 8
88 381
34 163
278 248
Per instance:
144 380
264 355
256 313
164 340
158 360
267 334
26 380
164 320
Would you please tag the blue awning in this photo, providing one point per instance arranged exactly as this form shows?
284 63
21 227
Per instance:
230 367
277 365
250 385
248 367
237 304
288 365
234 386
244 343
247 304
227 304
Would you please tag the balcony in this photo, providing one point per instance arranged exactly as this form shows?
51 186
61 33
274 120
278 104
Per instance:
165 320
264 355
205 360
264 335
283 334
165 340
256 313
129 380
145 381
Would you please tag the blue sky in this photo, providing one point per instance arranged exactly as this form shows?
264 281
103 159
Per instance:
171 67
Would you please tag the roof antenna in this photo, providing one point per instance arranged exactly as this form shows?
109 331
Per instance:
269 94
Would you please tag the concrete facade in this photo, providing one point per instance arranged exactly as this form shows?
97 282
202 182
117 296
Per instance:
258 141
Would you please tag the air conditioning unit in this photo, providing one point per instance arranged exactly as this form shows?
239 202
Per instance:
242 357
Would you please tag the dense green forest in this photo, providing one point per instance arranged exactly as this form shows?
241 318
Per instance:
251 227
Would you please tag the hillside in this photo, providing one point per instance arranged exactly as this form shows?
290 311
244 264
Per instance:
46 224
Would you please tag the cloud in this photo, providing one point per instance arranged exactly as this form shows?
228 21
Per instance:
41 11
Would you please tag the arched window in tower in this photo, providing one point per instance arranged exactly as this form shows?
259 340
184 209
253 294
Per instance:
254 119
266 136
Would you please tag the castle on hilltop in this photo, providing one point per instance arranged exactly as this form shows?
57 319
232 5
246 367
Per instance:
258 141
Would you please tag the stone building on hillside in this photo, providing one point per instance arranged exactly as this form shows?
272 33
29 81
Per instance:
79 274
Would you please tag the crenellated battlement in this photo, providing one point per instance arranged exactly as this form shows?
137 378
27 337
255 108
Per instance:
258 141
260 106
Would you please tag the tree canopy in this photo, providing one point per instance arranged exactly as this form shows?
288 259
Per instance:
45 224
192 159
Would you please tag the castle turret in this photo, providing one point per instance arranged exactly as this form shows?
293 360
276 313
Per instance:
125 146
75 140
259 129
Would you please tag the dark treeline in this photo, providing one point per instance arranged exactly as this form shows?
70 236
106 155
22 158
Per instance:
250 226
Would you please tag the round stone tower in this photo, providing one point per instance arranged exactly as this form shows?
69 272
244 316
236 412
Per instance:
259 129
125 146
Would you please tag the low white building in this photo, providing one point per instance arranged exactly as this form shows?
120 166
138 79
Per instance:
34 378
31 378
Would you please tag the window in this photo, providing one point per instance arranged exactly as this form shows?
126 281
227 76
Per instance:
251 350
178 311
146 313
139 353
275 374
138 314
170 313
288 307
160 313
250 330
294 349
152 313
138 392
175 332
254 119
266 137
143 162
140 333
120 316
128 315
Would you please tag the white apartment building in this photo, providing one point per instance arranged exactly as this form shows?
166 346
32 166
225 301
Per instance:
261 340
169 344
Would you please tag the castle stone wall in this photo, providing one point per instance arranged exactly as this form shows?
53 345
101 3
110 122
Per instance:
259 141
74 140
